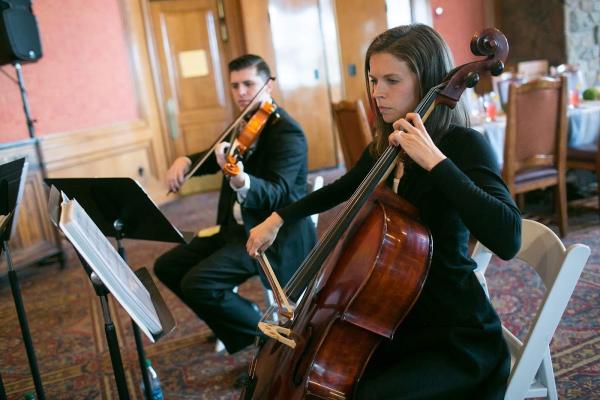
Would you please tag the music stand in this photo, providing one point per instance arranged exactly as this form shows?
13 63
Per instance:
166 320
12 183
121 209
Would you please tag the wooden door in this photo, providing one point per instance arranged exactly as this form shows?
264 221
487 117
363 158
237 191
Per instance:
193 72
302 74
359 22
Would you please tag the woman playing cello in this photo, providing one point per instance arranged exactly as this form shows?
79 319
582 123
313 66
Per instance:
450 346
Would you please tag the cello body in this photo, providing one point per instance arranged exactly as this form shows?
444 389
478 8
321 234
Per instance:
361 295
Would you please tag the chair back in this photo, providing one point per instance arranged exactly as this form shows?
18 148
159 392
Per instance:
353 129
559 269
533 69
536 128
501 83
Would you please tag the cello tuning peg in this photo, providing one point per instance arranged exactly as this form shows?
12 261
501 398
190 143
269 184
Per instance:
497 68
471 79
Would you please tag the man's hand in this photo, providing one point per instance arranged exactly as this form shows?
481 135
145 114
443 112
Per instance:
176 173
221 153
239 180
263 235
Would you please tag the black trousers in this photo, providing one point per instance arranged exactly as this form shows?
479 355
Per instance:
203 274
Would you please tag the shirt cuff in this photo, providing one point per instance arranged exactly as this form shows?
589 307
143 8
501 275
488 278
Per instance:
243 191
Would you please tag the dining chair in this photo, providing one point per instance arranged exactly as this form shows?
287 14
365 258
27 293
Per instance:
559 268
586 157
533 69
501 84
536 141
353 129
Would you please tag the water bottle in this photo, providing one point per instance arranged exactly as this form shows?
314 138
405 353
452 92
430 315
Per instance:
157 393
29 396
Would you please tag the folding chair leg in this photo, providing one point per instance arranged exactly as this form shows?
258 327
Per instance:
546 375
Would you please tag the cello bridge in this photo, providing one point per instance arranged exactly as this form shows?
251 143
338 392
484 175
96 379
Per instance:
279 333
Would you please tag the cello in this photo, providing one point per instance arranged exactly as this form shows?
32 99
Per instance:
356 287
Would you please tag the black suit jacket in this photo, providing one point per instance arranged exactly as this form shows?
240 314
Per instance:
278 170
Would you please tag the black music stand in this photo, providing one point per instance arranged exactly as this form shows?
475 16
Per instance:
166 319
121 209
12 182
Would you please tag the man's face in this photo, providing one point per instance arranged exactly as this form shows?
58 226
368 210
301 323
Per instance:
245 83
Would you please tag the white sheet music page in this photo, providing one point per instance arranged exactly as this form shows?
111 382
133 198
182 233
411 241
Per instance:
112 270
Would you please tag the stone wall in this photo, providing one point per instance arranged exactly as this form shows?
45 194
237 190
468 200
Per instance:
582 27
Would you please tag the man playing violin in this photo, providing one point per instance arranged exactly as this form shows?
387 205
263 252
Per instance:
272 174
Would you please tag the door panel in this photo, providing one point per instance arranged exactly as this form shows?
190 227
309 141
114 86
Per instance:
359 22
302 74
193 72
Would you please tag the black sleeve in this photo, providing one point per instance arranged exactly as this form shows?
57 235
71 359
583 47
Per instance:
330 195
209 166
470 181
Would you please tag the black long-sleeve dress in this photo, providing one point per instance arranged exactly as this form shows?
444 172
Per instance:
450 346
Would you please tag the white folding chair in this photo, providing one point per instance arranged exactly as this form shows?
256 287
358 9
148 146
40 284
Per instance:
531 372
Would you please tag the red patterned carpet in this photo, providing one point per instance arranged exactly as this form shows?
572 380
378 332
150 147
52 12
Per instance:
68 332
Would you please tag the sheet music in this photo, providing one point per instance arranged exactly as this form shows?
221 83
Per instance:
112 270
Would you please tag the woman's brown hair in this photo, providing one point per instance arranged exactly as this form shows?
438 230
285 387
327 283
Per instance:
429 57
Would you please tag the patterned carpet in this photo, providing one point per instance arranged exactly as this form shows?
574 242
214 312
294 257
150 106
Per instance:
68 333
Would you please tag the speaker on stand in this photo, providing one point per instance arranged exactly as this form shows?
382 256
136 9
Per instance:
20 43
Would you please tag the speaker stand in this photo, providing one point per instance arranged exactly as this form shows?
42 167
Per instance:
38 151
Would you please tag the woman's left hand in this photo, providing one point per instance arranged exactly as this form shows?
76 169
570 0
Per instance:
410 133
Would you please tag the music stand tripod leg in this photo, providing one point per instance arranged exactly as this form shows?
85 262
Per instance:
111 337
16 291
139 345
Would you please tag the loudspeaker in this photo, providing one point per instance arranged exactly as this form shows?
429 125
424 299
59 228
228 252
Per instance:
19 35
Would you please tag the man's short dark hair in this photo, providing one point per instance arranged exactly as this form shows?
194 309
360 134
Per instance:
248 61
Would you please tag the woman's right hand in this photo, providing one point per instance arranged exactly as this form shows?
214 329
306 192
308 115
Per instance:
176 173
263 235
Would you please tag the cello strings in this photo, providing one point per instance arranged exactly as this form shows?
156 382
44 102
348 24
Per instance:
320 252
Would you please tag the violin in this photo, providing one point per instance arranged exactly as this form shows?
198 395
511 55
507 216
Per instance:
247 137
194 167
361 280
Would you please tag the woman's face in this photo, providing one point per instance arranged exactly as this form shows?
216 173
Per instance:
393 86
